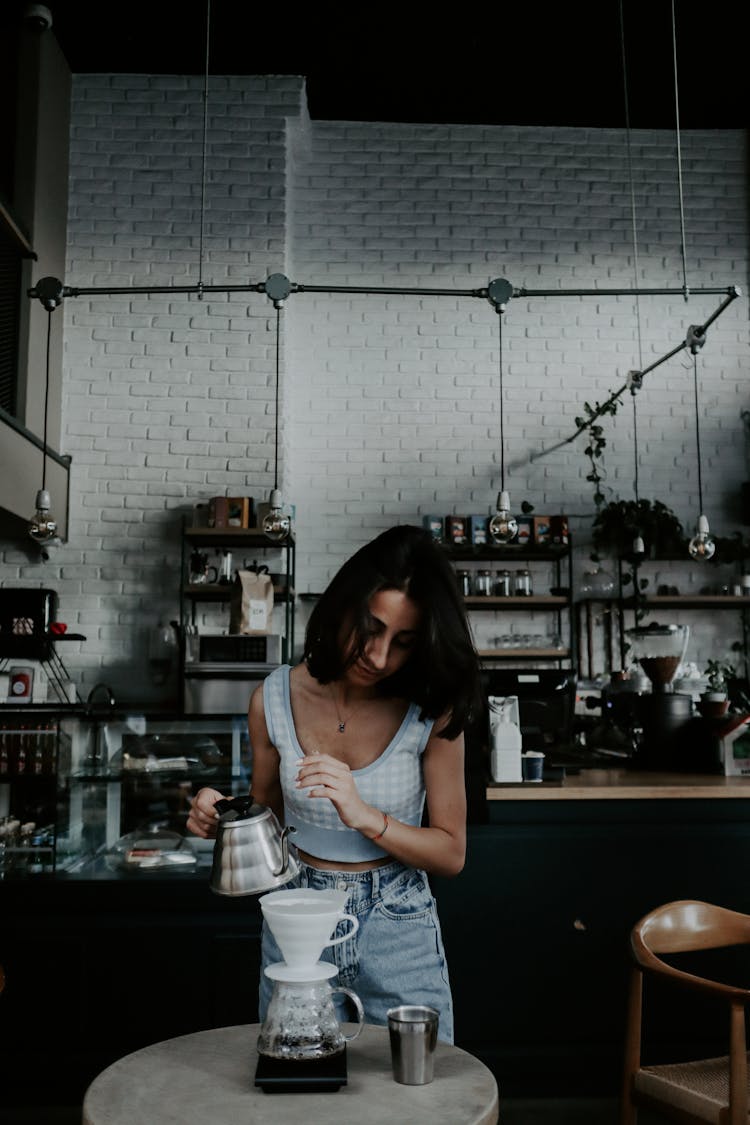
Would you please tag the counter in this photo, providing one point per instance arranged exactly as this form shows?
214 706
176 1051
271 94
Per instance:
536 932
621 784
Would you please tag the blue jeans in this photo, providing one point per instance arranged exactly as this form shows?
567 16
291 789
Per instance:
396 956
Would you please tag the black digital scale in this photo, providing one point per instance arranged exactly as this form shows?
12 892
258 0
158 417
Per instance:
301 1076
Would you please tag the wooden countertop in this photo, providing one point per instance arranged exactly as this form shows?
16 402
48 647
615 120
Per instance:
621 784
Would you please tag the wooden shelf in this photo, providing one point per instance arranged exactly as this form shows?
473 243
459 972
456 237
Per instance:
235 537
678 601
622 784
541 601
213 592
523 653
509 552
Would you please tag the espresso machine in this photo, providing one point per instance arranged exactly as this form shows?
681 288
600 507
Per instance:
662 716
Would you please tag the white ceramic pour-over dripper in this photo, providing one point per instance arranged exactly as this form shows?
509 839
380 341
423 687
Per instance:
302 922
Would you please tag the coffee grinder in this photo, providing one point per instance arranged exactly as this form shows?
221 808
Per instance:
663 714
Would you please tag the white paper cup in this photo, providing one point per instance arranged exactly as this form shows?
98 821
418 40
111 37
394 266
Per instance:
532 765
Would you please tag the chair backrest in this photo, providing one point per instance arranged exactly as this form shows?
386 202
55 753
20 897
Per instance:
679 927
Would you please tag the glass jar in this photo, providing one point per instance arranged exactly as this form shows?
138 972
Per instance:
522 584
483 583
502 584
463 578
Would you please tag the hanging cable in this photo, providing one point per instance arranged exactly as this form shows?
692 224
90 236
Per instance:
635 447
702 546
43 527
502 427
276 405
679 154
503 527
46 400
203 153
276 523
697 433
636 268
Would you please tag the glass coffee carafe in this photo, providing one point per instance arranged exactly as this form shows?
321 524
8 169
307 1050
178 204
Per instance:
301 1021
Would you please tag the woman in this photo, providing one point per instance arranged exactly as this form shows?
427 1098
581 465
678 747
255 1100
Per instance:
348 746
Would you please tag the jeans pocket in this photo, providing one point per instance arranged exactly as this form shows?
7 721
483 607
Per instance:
407 898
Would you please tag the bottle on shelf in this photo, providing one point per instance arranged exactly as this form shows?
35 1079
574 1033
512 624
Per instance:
502 584
463 577
483 583
522 584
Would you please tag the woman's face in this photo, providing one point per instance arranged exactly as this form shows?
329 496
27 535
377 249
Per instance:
395 622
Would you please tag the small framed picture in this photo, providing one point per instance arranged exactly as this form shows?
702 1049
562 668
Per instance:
559 530
434 525
455 529
525 532
478 530
238 511
542 532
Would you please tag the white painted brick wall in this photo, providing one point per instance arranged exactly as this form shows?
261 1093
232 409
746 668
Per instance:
390 403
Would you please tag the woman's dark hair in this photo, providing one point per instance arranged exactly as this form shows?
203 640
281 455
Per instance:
442 672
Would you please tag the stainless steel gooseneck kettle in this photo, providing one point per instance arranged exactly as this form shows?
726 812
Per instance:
252 852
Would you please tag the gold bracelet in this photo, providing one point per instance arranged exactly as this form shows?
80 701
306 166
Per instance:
383 830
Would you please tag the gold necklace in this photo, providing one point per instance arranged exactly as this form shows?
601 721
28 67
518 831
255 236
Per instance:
342 721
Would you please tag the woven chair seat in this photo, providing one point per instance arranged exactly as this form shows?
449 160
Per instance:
700 1088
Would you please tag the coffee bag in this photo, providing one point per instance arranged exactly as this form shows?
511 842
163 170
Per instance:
251 606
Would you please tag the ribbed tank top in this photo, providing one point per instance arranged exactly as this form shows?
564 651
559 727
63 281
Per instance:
393 782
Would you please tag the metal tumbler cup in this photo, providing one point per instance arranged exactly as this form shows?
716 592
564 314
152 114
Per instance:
413 1031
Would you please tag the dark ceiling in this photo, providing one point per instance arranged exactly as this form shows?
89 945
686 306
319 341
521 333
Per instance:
516 64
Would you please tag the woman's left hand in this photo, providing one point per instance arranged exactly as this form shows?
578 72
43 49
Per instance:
325 776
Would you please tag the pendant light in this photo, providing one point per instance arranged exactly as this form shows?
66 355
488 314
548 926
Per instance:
276 524
702 546
43 527
503 527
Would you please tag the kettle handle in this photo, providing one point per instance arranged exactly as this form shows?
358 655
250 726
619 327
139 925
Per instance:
360 1011
284 850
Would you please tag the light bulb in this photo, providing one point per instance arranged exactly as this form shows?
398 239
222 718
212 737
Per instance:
638 546
42 527
276 525
503 526
701 546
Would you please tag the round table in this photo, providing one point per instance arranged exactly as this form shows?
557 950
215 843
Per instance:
208 1077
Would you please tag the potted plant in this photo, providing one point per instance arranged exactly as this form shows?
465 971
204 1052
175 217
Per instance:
619 522
714 702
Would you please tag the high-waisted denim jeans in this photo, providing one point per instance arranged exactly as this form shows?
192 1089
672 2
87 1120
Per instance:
396 956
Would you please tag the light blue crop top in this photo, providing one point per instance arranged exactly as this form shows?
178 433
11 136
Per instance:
393 782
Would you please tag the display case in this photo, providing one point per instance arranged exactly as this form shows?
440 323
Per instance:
97 796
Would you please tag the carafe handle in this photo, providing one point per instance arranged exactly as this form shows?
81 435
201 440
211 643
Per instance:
360 1011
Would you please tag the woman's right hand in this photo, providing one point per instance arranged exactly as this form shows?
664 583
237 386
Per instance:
203 815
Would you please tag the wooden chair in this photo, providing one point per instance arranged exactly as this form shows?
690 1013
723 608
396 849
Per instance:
709 1090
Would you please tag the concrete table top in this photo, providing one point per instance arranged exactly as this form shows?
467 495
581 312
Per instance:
208 1077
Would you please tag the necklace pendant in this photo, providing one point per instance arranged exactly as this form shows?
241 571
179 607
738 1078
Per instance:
342 727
